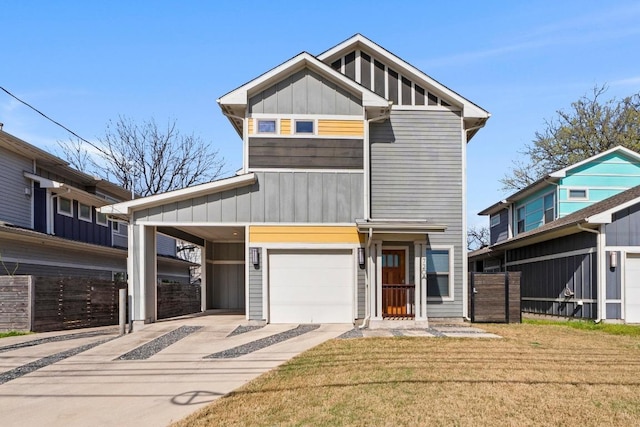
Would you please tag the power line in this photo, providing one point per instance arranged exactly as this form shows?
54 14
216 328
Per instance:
53 121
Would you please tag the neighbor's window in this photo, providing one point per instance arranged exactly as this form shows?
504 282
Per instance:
549 207
439 280
65 206
575 194
266 126
495 220
304 126
84 212
520 219
101 219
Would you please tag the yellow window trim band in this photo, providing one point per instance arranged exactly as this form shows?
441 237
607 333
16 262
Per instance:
304 234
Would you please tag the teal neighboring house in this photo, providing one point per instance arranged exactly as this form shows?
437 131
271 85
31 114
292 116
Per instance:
564 192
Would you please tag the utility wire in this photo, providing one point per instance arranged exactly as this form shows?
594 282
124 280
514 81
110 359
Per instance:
53 121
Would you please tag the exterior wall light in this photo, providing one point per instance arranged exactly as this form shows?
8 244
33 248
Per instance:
255 257
613 259
361 257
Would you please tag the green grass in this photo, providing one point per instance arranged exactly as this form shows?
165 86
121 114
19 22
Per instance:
589 325
13 334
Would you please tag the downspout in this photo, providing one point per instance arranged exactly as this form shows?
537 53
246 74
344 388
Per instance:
367 286
600 266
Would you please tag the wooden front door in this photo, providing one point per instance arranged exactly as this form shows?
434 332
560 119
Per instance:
395 293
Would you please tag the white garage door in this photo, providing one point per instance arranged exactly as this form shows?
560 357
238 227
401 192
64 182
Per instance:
311 286
632 289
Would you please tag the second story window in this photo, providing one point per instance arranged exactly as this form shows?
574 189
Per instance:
549 208
304 126
84 212
495 220
577 194
266 126
520 219
101 219
65 206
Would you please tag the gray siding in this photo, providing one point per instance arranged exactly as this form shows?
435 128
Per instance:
306 153
625 228
305 92
255 291
547 279
15 207
299 197
228 286
165 245
501 231
416 173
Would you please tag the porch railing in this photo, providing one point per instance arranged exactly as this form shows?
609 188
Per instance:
398 301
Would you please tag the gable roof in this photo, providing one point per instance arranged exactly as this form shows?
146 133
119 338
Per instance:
555 177
590 217
357 41
233 103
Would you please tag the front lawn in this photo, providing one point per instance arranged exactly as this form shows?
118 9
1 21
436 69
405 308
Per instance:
536 375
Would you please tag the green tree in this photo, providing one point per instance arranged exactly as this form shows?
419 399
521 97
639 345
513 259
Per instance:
590 127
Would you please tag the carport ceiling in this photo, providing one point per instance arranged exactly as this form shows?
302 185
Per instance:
213 233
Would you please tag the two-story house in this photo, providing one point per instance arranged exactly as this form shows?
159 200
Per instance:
573 235
350 203
50 224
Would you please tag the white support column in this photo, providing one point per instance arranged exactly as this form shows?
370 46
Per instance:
142 271
423 281
378 282
417 279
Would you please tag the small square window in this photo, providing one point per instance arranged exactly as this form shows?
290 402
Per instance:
101 219
495 220
114 225
84 212
266 126
304 126
65 206
578 194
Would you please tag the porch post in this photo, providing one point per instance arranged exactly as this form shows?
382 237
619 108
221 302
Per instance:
143 280
378 281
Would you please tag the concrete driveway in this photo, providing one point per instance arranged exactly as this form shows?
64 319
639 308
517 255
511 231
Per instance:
149 378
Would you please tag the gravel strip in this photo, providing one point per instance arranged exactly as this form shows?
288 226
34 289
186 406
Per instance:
262 343
46 361
243 329
52 339
353 333
154 346
435 332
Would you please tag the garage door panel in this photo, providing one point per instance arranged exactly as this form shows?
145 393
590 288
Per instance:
311 286
632 289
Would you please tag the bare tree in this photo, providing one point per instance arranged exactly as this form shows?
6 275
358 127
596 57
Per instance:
146 157
590 127
477 237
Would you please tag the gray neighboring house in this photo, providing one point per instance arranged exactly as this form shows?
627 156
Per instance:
50 224
585 264
349 206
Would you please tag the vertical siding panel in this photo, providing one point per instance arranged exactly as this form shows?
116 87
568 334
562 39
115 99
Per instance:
299 88
243 200
229 206
271 197
314 94
301 190
315 197
257 200
329 198
214 208
343 198
287 192
15 207
199 209
285 97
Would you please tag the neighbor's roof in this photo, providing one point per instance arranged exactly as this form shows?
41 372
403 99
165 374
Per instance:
554 177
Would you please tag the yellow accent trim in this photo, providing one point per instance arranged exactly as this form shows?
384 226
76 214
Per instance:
285 126
340 127
250 126
304 234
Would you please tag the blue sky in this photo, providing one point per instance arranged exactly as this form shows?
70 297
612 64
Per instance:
84 62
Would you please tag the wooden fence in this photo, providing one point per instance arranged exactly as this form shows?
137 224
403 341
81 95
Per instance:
495 297
43 304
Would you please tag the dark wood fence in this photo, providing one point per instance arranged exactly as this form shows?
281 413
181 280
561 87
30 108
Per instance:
495 297
42 304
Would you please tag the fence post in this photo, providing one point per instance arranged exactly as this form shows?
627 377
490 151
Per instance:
122 309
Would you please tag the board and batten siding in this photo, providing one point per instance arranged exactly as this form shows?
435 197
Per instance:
16 206
416 174
500 231
297 197
305 92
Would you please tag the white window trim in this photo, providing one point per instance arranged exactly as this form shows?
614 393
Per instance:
314 123
276 127
586 194
83 218
61 212
451 296
491 222
106 220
